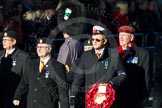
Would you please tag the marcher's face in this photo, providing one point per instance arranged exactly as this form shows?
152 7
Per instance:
98 41
49 12
43 50
125 38
8 43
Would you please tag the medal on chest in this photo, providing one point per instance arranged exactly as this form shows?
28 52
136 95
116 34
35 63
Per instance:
106 64
133 60
14 62
47 74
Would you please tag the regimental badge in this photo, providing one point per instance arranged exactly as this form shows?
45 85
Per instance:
5 34
40 41
67 13
46 74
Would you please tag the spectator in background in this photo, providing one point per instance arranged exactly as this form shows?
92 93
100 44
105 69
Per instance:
157 92
12 62
135 91
50 21
33 19
141 22
14 20
120 14
153 16
1 20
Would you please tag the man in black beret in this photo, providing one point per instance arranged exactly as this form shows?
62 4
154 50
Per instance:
12 61
45 80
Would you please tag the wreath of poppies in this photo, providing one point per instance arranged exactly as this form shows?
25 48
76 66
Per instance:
94 99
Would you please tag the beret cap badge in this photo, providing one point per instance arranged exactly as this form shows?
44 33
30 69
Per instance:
5 34
10 33
40 41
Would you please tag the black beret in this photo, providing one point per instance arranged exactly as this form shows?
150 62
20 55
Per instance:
44 41
87 42
10 33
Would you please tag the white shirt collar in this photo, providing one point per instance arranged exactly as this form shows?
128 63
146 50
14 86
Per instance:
101 52
46 59
10 52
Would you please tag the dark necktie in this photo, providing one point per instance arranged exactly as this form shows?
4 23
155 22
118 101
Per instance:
7 55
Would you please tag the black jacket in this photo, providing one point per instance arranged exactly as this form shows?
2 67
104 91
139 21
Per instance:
45 89
91 70
137 86
10 74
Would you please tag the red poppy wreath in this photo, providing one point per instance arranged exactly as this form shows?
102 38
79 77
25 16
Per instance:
100 95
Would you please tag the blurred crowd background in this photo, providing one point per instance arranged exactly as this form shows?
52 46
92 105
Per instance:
28 17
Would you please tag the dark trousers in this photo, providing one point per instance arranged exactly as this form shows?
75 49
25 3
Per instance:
157 97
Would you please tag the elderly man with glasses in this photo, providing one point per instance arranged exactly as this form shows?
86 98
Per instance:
12 61
101 64
44 79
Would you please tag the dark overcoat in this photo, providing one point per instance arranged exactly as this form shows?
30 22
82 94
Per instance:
45 88
136 88
10 74
91 70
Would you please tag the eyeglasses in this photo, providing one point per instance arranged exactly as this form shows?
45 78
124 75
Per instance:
6 39
98 40
43 47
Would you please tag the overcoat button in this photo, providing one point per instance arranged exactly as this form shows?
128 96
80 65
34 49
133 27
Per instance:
34 101
35 89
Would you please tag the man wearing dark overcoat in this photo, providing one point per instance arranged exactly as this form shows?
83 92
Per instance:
137 62
12 61
101 64
44 79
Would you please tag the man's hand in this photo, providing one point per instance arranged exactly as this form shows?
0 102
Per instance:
16 102
72 100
